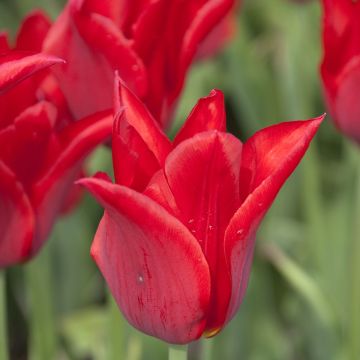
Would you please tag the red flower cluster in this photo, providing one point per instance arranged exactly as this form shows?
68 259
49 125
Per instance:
41 149
176 240
150 43
177 237
340 68
41 145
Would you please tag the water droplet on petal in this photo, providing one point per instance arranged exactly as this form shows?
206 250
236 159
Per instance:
191 221
239 232
140 279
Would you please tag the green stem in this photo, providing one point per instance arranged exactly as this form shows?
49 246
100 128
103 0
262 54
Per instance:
42 322
207 348
178 352
116 331
355 274
3 326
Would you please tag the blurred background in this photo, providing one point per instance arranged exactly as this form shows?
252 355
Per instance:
304 293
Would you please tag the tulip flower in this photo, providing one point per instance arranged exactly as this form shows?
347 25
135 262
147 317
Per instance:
340 68
40 155
150 43
176 241
24 58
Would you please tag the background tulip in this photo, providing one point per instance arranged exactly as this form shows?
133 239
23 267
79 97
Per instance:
340 68
22 59
40 157
98 37
177 253
41 149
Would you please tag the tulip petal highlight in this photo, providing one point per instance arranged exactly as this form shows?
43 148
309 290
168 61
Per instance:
269 157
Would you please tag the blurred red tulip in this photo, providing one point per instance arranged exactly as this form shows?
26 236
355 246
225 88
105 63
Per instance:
177 237
41 150
150 43
27 50
340 68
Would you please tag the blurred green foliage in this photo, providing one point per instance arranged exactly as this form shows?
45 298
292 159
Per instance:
304 295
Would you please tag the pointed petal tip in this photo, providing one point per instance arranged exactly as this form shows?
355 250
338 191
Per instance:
315 123
87 182
120 91
118 79
16 67
319 119
215 91
57 60
48 60
93 185
82 182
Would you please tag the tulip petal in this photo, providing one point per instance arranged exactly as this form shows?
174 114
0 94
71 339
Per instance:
50 192
104 37
206 19
108 8
18 99
139 145
16 67
50 91
138 116
203 175
177 28
346 102
217 37
84 98
341 30
16 219
159 190
154 266
208 114
29 137
32 32
124 12
269 157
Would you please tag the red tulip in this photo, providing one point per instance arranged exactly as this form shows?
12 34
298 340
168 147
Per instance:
150 43
177 237
24 59
41 154
340 68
